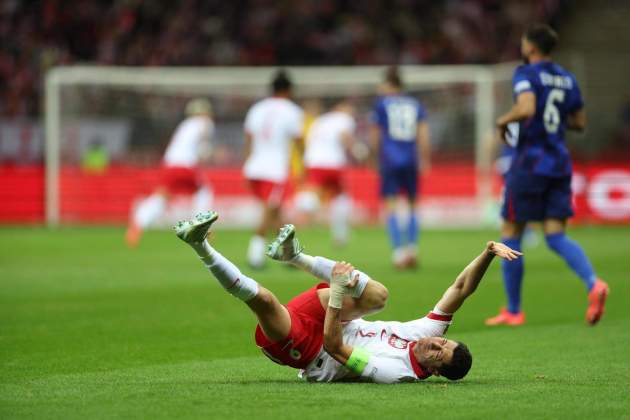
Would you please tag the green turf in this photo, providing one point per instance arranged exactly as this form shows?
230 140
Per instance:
89 329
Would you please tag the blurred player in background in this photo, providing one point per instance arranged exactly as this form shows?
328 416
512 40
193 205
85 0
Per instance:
271 126
400 134
538 185
329 139
312 108
189 146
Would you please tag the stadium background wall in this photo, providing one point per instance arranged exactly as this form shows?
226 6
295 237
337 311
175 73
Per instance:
601 194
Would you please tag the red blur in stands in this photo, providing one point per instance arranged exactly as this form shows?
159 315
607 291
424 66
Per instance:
601 191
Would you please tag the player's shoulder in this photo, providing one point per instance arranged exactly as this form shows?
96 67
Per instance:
290 107
558 69
525 70
258 105
379 101
190 123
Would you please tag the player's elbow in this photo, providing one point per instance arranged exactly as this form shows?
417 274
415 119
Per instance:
577 124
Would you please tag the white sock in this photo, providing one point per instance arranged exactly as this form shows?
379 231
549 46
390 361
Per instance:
228 275
340 209
322 268
149 210
256 251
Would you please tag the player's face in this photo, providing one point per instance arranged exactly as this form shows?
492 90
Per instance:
433 352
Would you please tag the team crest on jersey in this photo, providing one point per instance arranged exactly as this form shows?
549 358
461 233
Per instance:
397 342
294 353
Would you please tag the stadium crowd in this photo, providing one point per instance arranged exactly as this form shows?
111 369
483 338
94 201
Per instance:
39 34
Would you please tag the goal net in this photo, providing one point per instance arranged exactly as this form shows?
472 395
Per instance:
106 129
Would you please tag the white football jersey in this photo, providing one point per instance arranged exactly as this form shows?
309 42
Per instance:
190 138
390 345
273 123
324 145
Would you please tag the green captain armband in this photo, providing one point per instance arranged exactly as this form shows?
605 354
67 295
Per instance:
358 360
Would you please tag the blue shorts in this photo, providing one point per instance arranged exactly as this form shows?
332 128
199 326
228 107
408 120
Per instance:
395 180
536 197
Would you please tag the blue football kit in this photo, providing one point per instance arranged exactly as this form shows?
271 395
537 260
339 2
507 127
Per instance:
397 117
538 184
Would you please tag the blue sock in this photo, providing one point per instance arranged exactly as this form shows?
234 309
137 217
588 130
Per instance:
513 276
413 229
393 229
574 256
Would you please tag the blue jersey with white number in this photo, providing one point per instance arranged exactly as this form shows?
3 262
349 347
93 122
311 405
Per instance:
397 116
541 145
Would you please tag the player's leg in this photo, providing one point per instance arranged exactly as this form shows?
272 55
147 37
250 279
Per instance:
394 231
413 225
270 195
202 198
273 317
340 210
569 250
367 295
520 204
144 215
558 210
511 314
390 185
576 259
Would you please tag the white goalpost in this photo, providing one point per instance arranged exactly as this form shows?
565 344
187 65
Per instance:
126 107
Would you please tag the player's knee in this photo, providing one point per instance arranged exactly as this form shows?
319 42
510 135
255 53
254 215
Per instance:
265 298
377 298
554 241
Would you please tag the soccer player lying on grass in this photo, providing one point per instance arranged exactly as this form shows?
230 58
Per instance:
305 335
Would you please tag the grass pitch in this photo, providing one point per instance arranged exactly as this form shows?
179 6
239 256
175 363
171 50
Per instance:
90 329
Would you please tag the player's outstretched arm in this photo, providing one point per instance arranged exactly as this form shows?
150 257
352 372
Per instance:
469 279
333 337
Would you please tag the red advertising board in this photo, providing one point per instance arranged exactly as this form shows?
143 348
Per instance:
601 191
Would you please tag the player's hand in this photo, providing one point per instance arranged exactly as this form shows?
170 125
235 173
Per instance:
502 250
501 132
341 275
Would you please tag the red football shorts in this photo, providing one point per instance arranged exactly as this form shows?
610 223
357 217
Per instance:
268 191
327 178
179 180
306 338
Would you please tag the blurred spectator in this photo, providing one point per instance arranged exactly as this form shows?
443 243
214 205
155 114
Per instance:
36 35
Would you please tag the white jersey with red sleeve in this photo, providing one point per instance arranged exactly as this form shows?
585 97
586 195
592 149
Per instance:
390 345
272 123
324 143
189 142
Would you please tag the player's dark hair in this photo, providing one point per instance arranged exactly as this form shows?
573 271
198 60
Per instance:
460 363
392 76
281 82
543 37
